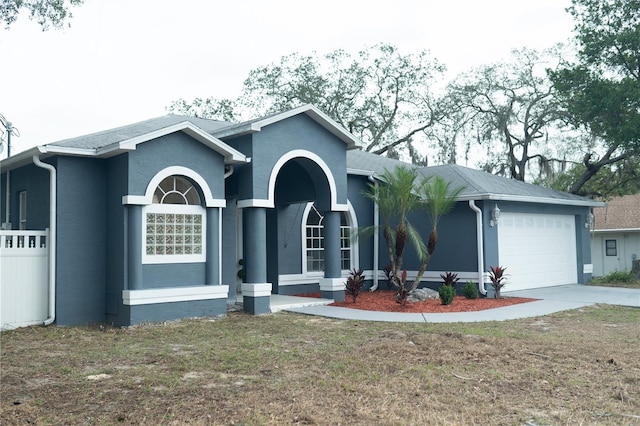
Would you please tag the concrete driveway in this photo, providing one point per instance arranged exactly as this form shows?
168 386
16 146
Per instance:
583 294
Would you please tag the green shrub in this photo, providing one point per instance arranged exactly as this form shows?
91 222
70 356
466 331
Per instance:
470 290
616 277
447 294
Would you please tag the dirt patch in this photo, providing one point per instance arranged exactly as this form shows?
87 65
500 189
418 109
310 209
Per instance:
384 301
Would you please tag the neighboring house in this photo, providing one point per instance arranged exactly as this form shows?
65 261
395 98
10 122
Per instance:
615 241
152 221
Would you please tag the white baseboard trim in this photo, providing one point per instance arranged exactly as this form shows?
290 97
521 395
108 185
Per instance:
256 289
174 294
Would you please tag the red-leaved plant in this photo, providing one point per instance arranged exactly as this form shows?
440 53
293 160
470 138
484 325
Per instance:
498 277
354 283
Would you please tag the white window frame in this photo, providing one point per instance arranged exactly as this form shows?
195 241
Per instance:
22 217
352 224
174 258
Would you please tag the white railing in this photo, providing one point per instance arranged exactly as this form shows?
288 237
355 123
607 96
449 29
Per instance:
23 278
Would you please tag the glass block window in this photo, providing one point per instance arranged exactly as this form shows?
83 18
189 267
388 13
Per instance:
314 239
174 226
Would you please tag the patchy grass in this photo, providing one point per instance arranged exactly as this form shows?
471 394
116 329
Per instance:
575 367
617 279
631 284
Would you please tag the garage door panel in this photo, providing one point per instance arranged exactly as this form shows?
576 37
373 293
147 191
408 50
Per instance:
538 250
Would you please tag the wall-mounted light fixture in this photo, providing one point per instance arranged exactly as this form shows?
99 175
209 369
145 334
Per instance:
590 220
495 215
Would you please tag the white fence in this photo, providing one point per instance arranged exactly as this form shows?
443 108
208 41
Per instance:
24 289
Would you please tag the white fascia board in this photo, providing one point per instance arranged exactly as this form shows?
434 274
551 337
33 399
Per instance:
237 130
80 152
359 172
230 154
616 230
527 199
321 118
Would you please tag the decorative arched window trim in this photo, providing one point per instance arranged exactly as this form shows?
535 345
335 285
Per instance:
147 198
187 232
352 223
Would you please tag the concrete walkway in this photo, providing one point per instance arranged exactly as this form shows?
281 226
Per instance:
552 299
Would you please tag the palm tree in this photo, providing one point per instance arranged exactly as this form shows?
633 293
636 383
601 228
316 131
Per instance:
401 193
396 198
438 199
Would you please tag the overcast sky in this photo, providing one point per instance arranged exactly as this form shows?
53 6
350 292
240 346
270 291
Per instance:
123 61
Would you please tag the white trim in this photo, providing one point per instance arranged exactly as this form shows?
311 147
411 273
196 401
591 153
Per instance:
623 230
220 245
230 154
587 268
428 276
173 258
434 276
321 118
255 203
172 171
174 294
256 290
352 220
22 210
360 172
302 153
529 199
332 284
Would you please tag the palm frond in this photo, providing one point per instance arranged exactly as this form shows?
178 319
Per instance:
439 198
416 241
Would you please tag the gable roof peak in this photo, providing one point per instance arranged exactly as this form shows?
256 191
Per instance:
256 125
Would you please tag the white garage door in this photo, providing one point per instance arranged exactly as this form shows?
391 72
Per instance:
538 250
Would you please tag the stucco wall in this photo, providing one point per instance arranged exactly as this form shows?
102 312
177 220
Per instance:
117 173
176 149
81 241
35 181
276 140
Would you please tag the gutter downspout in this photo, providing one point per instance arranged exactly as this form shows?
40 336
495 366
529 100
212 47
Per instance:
376 238
479 238
226 175
52 238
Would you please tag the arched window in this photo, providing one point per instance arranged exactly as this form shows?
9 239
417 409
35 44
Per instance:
175 225
313 246
176 190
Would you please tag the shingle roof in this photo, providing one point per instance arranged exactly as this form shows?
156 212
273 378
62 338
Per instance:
477 184
620 213
119 134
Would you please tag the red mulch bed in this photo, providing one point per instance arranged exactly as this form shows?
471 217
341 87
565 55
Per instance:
385 301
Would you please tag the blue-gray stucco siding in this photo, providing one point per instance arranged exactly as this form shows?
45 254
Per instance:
81 241
273 141
35 181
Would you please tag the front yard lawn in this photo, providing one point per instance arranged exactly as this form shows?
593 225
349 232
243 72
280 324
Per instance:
574 367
